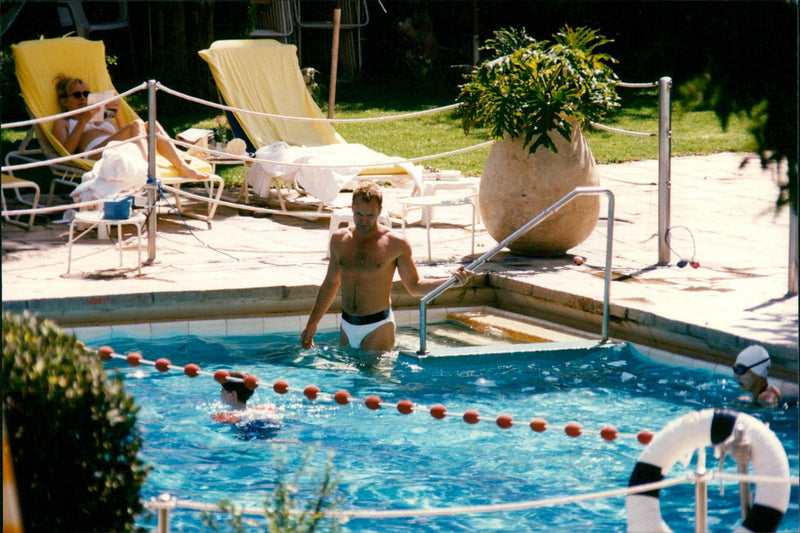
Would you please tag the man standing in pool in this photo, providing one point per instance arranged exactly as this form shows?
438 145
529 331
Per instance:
363 260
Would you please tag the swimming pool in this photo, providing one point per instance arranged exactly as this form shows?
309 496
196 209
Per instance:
387 460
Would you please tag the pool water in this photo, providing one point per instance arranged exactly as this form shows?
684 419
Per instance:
386 460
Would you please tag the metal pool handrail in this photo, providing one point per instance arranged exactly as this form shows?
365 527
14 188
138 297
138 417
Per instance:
578 191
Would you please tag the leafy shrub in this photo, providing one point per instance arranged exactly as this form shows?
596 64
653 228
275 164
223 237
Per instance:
286 511
530 88
72 432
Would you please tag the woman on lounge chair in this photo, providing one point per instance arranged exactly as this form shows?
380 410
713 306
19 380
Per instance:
79 133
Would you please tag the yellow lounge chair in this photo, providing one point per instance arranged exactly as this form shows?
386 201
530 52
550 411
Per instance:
264 75
38 62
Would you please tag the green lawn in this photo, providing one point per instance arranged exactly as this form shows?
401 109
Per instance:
693 132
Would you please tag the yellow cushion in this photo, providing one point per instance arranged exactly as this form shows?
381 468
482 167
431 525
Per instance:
264 75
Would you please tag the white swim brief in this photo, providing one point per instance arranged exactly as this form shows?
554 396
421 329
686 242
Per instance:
358 327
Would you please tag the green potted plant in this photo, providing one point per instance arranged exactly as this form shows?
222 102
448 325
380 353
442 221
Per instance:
535 98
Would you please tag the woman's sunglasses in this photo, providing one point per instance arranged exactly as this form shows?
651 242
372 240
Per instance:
740 369
77 94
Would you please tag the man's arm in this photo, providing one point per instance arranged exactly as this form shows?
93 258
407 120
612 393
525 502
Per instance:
410 276
325 296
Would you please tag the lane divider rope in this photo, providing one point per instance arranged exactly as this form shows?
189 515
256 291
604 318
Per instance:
374 402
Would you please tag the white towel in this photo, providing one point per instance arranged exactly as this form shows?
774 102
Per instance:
121 168
326 178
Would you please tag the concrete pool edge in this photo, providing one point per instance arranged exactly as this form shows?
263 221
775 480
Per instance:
578 312
404 317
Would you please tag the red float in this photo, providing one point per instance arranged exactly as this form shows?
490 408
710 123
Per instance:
573 429
373 402
539 425
438 411
472 417
609 433
578 260
251 382
342 397
191 370
505 421
311 392
405 406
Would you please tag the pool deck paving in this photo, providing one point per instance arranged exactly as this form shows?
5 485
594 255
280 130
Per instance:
247 265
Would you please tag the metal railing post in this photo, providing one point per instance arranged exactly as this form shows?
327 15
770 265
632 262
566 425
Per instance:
742 457
163 503
664 176
578 191
792 289
701 494
162 526
152 179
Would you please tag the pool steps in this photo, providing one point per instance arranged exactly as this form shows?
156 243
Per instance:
515 326
498 354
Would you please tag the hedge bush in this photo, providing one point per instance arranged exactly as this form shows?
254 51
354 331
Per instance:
72 431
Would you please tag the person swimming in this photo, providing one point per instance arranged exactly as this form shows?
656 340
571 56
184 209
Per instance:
751 369
236 394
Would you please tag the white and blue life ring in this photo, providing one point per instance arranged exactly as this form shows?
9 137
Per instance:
710 427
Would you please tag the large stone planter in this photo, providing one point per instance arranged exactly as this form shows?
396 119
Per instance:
516 186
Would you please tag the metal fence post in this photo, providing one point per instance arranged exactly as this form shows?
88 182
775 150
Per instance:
664 155
152 178
162 504
792 289
701 494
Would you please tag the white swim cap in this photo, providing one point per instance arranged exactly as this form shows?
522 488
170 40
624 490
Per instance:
756 358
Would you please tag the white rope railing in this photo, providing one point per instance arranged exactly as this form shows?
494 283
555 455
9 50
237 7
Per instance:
165 502
302 119
65 114
642 85
354 164
247 158
66 158
620 130
645 85
52 209
247 207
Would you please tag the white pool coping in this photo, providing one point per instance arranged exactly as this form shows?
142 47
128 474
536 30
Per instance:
330 322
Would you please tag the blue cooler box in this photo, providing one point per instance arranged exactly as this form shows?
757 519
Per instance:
117 209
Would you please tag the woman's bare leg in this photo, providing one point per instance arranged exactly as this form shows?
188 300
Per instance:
138 128
130 131
168 150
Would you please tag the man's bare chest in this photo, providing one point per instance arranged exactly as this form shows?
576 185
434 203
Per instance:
362 259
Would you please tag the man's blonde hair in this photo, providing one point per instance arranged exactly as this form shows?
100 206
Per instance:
367 191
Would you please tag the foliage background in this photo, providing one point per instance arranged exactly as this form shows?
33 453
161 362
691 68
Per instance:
746 49
72 432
